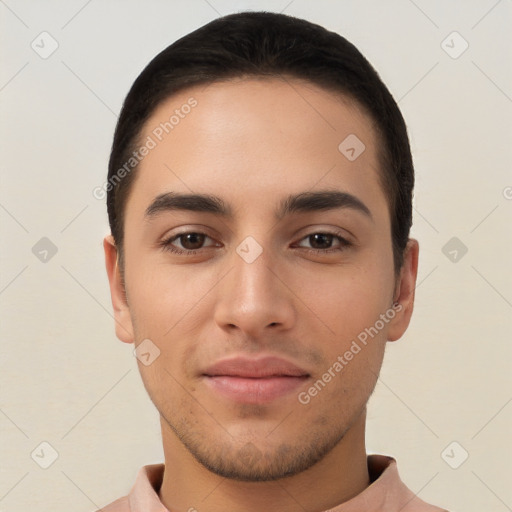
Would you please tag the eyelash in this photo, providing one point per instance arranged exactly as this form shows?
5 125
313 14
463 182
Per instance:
166 244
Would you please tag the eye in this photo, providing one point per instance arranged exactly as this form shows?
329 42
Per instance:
321 242
190 242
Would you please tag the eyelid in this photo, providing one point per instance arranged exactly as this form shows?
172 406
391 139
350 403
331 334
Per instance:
185 230
328 230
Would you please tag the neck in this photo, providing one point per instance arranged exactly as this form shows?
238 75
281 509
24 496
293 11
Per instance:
341 475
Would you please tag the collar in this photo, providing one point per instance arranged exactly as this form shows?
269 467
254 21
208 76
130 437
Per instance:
386 492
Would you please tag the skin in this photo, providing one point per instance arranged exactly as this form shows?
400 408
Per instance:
252 142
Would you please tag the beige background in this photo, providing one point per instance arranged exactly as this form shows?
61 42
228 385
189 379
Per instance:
65 378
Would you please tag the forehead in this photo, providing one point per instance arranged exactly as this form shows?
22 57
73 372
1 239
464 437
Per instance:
246 139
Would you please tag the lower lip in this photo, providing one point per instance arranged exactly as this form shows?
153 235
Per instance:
254 391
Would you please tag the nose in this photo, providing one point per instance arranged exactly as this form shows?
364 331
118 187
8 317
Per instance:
254 297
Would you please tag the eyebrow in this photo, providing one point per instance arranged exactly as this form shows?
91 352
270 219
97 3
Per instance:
298 203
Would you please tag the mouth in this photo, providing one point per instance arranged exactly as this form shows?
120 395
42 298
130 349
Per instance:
254 381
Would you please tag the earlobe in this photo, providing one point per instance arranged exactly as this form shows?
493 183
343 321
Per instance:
404 292
122 316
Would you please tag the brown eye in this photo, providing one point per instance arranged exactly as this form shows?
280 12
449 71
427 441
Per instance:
192 241
321 240
187 243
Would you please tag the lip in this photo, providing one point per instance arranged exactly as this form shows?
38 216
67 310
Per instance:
255 381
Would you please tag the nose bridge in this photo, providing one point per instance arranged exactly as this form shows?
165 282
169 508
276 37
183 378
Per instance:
252 275
251 297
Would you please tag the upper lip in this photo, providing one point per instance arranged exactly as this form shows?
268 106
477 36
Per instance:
255 368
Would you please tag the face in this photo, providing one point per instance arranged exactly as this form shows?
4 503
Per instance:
269 301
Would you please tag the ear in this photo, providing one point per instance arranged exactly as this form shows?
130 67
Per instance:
122 317
404 291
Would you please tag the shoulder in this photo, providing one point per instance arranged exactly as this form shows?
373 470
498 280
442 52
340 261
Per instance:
120 505
394 493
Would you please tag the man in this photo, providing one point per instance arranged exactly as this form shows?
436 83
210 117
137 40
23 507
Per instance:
259 197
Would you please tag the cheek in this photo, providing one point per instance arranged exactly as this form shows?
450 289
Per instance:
347 300
160 295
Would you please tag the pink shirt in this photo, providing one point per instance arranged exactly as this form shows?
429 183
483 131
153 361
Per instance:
386 493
